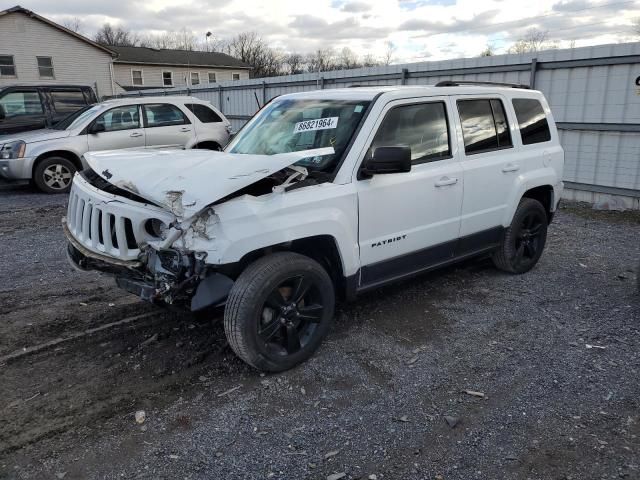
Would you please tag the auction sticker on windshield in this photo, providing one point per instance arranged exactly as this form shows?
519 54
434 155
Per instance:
318 124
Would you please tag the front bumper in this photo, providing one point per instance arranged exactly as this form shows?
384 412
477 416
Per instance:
16 168
166 278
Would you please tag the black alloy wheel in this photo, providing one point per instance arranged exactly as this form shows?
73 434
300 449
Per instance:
279 310
524 240
290 316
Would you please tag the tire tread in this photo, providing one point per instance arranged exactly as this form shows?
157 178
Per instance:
244 290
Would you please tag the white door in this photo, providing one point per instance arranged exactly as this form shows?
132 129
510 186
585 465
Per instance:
166 126
411 221
490 164
116 128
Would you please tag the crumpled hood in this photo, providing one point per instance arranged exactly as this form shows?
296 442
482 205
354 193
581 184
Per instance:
33 136
186 181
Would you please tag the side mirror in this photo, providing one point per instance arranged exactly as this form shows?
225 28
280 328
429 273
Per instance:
388 160
97 128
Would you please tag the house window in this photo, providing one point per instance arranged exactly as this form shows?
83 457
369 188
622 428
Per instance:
45 67
7 67
136 78
195 78
212 77
235 76
167 79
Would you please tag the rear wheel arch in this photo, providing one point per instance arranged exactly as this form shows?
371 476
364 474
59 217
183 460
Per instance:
543 194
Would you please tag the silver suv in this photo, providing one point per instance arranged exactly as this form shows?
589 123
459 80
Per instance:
50 157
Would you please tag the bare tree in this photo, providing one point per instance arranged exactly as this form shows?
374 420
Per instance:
533 41
252 50
295 63
347 59
488 51
369 61
74 24
182 39
108 35
322 60
390 51
636 26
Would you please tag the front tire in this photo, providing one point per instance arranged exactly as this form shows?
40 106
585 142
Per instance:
278 311
54 175
524 240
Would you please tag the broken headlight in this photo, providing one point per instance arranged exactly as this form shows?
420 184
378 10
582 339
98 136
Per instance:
157 228
12 150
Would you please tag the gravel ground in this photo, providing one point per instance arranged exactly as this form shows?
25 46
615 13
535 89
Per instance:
553 357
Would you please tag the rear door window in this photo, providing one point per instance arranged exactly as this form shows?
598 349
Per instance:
163 115
67 101
204 113
534 127
21 103
120 118
484 125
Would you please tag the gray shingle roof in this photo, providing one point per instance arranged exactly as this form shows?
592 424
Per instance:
175 57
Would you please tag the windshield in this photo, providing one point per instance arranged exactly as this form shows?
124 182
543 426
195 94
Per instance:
291 125
76 119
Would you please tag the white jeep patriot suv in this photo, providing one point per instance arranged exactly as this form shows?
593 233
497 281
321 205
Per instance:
322 195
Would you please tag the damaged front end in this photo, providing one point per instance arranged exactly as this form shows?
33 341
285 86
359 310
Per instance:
113 231
163 277
174 278
149 224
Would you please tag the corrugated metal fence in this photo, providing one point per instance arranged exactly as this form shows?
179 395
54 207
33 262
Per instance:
594 93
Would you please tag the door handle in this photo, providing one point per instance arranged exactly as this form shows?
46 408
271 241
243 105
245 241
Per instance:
135 134
444 181
510 167
185 129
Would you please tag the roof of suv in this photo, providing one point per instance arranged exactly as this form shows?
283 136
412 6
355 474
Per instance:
369 93
44 85
158 99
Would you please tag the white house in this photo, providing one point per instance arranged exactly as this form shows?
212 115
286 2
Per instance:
139 67
35 50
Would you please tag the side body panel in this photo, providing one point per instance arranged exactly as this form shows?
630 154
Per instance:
402 214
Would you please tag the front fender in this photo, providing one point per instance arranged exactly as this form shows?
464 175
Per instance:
247 224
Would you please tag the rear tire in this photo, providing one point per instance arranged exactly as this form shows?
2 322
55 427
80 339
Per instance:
278 311
524 240
54 175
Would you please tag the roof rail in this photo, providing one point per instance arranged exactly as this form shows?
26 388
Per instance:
457 83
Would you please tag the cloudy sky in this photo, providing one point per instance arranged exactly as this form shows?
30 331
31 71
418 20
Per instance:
420 29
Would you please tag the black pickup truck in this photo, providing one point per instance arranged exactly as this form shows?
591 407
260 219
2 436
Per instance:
29 107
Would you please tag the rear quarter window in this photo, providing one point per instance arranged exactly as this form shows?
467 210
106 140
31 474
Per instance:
204 113
534 127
